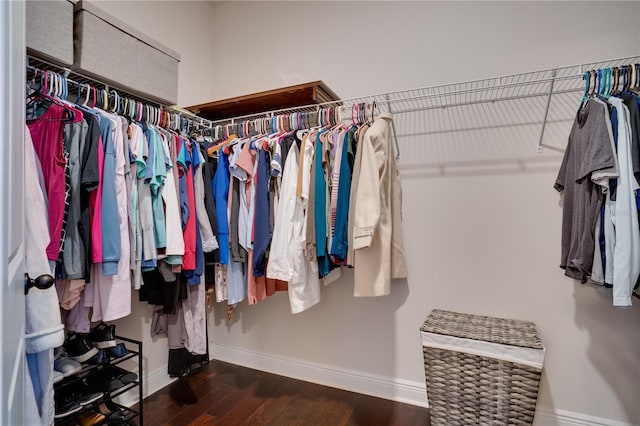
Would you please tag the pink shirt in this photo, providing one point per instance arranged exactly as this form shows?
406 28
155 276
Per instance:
95 210
47 133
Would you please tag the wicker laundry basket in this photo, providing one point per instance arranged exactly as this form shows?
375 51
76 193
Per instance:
481 370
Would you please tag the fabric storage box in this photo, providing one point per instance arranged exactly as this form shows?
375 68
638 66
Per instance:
481 370
111 51
49 30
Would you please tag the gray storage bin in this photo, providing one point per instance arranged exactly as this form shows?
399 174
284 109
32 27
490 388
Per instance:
111 51
49 30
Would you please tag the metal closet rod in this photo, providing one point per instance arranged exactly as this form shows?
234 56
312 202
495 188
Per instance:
92 82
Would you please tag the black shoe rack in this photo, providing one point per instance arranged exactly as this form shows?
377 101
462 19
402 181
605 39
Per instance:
132 416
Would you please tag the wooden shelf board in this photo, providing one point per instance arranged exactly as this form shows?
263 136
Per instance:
292 96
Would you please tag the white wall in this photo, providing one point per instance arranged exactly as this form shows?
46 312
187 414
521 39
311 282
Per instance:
480 243
485 243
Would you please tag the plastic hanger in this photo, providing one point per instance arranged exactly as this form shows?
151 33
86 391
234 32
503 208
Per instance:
594 75
115 104
55 85
95 97
45 81
50 84
104 98
60 92
135 110
587 87
65 87
79 93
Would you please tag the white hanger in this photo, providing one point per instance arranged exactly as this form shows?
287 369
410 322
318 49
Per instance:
115 102
65 87
54 85
86 100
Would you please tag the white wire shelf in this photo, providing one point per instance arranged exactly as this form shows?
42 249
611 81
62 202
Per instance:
494 120
567 80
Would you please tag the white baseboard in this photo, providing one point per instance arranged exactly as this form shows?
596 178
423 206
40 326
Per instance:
400 390
356 381
546 417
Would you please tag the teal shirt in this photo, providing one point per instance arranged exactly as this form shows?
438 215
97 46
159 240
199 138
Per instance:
160 166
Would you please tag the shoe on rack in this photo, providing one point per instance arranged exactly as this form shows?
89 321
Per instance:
90 419
117 421
64 364
83 393
79 348
101 383
100 358
119 350
103 336
57 376
114 414
111 378
121 374
66 404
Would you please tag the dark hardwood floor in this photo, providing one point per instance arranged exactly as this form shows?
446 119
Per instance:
226 394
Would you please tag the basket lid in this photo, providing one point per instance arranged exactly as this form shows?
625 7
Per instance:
487 329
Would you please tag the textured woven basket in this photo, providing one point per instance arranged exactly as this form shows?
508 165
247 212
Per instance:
469 389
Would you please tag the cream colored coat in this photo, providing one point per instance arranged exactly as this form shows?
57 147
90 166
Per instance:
377 212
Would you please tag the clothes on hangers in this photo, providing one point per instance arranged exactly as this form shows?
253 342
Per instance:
47 133
249 215
599 181
589 151
377 235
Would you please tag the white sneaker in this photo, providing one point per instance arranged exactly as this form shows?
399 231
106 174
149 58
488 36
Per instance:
66 365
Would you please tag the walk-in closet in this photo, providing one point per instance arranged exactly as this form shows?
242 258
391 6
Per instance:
319 213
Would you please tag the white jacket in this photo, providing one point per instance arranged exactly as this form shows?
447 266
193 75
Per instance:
43 328
626 259
377 220
175 240
287 261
